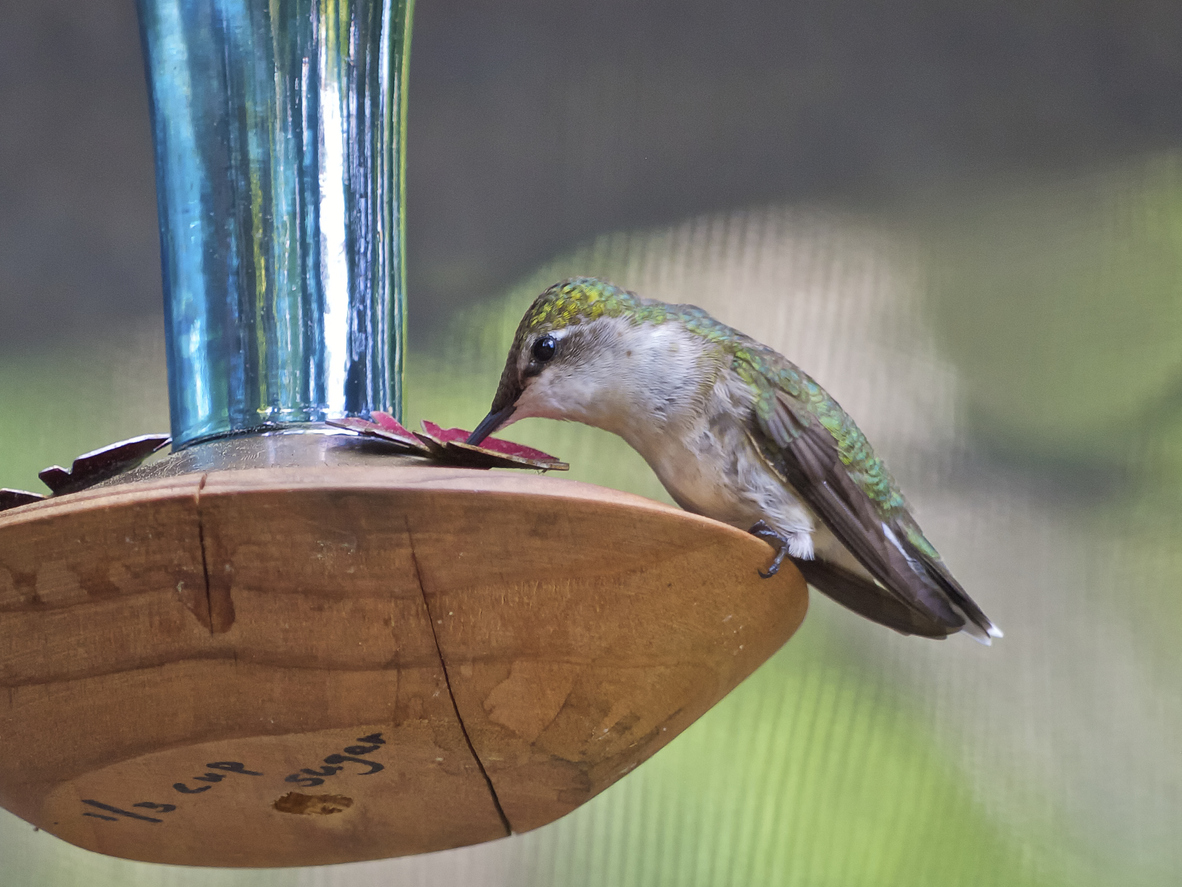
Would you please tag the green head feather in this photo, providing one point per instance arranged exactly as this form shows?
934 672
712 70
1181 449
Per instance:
577 300
583 299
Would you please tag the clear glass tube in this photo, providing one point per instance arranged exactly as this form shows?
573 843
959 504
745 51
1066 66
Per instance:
279 130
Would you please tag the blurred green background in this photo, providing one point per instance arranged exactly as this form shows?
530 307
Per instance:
964 219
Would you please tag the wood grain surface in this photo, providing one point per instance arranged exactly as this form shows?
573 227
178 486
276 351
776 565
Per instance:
301 666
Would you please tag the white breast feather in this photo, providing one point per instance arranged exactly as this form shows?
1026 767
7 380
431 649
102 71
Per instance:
690 431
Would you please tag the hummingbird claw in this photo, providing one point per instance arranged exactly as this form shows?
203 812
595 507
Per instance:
777 540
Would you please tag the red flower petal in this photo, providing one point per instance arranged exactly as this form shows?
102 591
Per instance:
496 444
389 423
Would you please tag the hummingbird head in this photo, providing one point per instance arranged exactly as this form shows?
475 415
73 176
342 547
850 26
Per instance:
562 364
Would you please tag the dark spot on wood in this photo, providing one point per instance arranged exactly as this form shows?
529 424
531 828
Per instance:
25 585
312 805
97 582
221 608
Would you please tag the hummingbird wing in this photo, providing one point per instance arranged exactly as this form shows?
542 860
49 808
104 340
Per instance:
814 446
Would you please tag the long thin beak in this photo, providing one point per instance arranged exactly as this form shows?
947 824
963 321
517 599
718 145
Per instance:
491 423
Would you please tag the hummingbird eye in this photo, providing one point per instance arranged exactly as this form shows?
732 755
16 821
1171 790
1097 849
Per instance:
544 348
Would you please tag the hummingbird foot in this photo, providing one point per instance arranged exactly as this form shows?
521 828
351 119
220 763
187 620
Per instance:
777 540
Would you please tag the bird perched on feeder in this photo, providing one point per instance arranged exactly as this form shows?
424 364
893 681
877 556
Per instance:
738 433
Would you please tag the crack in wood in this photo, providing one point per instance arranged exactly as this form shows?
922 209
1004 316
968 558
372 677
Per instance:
447 680
219 605
201 543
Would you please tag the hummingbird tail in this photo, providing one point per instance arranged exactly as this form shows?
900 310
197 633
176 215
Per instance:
976 624
869 599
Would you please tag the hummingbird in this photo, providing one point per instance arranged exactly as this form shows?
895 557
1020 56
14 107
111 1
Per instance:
738 433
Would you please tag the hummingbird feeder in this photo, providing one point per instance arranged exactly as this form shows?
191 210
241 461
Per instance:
291 644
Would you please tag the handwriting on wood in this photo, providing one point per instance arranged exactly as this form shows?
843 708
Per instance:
228 766
334 763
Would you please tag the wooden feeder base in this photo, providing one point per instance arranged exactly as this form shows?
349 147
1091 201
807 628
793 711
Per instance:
298 666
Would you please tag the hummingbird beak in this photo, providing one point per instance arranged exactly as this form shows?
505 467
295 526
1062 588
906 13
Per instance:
504 403
490 423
